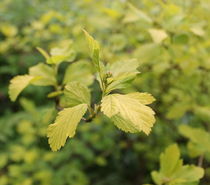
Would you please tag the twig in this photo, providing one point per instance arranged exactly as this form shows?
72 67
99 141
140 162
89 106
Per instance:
200 161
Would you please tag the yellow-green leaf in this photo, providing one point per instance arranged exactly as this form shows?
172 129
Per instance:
128 113
45 73
17 84
76 93
79 71
94 49
45 54
144 98
173 172
122 73
199 138
158 35
92 43
65 125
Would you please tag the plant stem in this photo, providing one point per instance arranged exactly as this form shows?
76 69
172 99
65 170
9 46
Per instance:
200 160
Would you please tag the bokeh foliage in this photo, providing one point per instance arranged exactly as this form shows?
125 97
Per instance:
171 41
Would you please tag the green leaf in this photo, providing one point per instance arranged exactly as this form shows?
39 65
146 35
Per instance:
144 98
203 112
54 94
65 126
134 14
199 139
94 49
170 160
76 93
79 71
122 73
17 84
45 54
45 73
158 35
128 113
173 172
62 52
92 43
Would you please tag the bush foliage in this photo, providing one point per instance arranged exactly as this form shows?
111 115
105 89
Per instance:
170 43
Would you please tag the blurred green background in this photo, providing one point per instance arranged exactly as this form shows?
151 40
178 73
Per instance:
174 68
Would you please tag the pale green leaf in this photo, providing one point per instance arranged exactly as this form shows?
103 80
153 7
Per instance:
144 98
76 93
188 173
169 160
54 94
45 73
79 71
62 52
122 73
158 35
92 43
173 172
122 108
65 126
59 54
17 84
119 82
94 49
126 66
199 137
198 30
45 54
133 14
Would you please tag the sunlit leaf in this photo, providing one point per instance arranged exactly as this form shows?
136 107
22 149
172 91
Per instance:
173 172
79 71
158 35
45 73
128 113
76 93
65 126
17 84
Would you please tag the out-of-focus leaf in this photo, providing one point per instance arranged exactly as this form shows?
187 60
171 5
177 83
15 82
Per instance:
135 14
173 172
198 137
158 35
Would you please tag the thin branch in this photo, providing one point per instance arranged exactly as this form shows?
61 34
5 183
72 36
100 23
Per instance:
200 160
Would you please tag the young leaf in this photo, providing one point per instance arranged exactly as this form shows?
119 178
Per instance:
45 54
45 73
60 54
173 172
63 52
17 84
94 49
158 35
199 139
170 160
79 71
76 93
128 113
92 43
134 14
65 125
121 74
144 98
